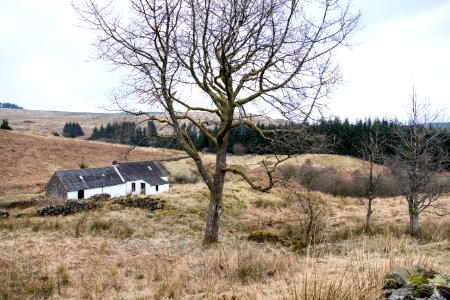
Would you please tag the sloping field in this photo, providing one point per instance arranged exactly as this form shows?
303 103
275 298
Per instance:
28 160
115 252
44 122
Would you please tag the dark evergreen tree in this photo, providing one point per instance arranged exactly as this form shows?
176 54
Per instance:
72 129
152 130
9 105
5 125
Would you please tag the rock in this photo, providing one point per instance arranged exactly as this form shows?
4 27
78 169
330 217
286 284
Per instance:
147 203
416 282
4 214
98 197
68 208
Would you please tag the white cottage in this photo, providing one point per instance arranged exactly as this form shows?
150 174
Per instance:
120 179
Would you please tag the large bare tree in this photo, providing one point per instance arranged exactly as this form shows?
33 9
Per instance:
229 54
419 160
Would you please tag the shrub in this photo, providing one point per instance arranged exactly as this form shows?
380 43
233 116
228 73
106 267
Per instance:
331 181
185 178
5 125
261 236
239 149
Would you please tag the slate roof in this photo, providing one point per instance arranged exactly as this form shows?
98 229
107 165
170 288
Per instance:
149 171
82 179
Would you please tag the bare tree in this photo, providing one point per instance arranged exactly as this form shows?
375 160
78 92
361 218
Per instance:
272 54
419 160
370 179
312 209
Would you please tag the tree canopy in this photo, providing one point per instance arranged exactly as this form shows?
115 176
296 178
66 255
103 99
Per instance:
276 55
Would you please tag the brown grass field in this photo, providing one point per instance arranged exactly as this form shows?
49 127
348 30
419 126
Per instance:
45 122
28 161
130 253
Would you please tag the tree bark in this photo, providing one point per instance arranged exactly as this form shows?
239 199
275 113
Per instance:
414 216
216 193
414 224
368 216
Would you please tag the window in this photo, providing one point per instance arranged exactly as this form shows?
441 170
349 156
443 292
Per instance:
143 188
156 187
133 186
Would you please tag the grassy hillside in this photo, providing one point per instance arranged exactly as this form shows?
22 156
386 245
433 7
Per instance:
114 252
28 160
45 122
130 253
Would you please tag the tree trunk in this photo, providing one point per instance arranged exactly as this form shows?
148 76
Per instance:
414 215
368 216
216 193
414 224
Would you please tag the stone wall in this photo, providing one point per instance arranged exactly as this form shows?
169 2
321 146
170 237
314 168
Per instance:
147 203
55 188
68 208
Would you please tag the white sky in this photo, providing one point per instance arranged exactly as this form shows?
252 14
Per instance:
45 59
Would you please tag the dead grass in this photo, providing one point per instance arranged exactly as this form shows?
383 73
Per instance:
114 252
28 161
117 252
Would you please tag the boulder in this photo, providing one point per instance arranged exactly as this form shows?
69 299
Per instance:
416 282
4 214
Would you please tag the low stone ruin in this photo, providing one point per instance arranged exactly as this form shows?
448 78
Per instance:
68 208
147 203
414 283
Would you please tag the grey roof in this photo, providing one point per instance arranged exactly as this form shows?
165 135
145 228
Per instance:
149 171
82 179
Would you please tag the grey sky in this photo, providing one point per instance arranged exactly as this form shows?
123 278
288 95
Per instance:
45 59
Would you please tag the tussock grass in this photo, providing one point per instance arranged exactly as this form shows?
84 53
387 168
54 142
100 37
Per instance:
115 252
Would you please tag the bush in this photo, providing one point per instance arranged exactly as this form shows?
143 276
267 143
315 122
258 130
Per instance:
331 181
5 125
261 236
185 178
239 149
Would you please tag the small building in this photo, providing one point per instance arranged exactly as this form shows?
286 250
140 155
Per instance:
120 179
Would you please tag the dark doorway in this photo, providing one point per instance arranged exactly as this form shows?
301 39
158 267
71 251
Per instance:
143 188
157 188
81 194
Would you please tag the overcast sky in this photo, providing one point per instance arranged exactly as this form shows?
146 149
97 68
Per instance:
45 59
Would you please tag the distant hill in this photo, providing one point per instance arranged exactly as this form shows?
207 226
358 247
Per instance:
9 105
444 125
29 160
46 122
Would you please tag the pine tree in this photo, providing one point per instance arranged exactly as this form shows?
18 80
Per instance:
5 125
72 129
